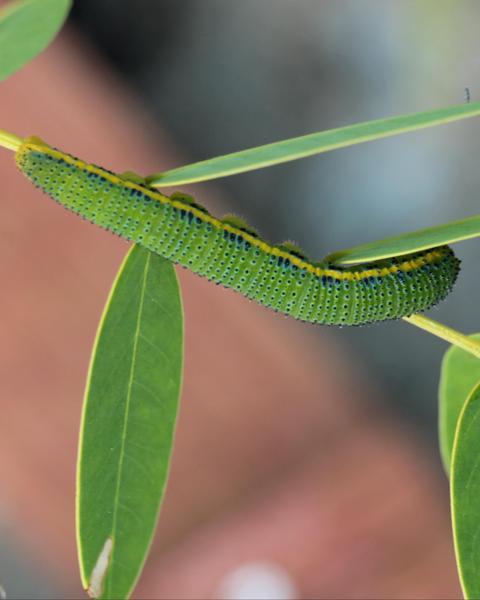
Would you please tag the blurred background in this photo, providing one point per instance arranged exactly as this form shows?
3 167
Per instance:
309 468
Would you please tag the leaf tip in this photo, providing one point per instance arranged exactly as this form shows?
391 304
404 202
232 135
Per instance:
99 571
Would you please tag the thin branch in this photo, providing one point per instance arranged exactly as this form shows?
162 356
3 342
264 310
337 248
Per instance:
10 140
445 333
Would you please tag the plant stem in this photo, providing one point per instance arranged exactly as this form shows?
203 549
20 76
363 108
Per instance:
10 140
445 333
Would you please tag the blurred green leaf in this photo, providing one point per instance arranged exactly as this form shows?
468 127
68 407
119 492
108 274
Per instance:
406 243
26 28
465 495
128 422
459 374
308 145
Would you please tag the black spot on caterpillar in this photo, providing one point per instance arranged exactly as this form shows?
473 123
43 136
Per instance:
230 253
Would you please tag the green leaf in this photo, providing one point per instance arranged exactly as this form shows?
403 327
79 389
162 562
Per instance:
308 145
460 372
465 495
406 243
26 28
128 423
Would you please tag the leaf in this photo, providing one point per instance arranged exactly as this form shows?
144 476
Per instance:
308 145
26 28
128 423
406 243
465 495
460 372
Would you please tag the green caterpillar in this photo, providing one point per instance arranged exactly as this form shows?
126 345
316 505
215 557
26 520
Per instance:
228 252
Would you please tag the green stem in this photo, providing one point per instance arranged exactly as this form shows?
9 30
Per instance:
445 333
10 140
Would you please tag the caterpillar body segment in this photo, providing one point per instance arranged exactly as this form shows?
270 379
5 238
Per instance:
230 253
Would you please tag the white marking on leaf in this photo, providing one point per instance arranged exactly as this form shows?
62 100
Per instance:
99 570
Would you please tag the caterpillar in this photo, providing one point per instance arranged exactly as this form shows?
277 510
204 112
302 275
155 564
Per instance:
229 252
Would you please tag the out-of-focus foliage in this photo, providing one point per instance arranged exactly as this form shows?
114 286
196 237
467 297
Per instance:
26 28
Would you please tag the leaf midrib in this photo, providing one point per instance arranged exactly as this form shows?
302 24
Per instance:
126 415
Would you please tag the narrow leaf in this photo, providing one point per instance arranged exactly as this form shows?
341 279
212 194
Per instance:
26 28
459 374
406 243
465 495
128 423
308 145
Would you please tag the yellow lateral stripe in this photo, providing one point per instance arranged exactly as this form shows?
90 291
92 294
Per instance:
36 144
